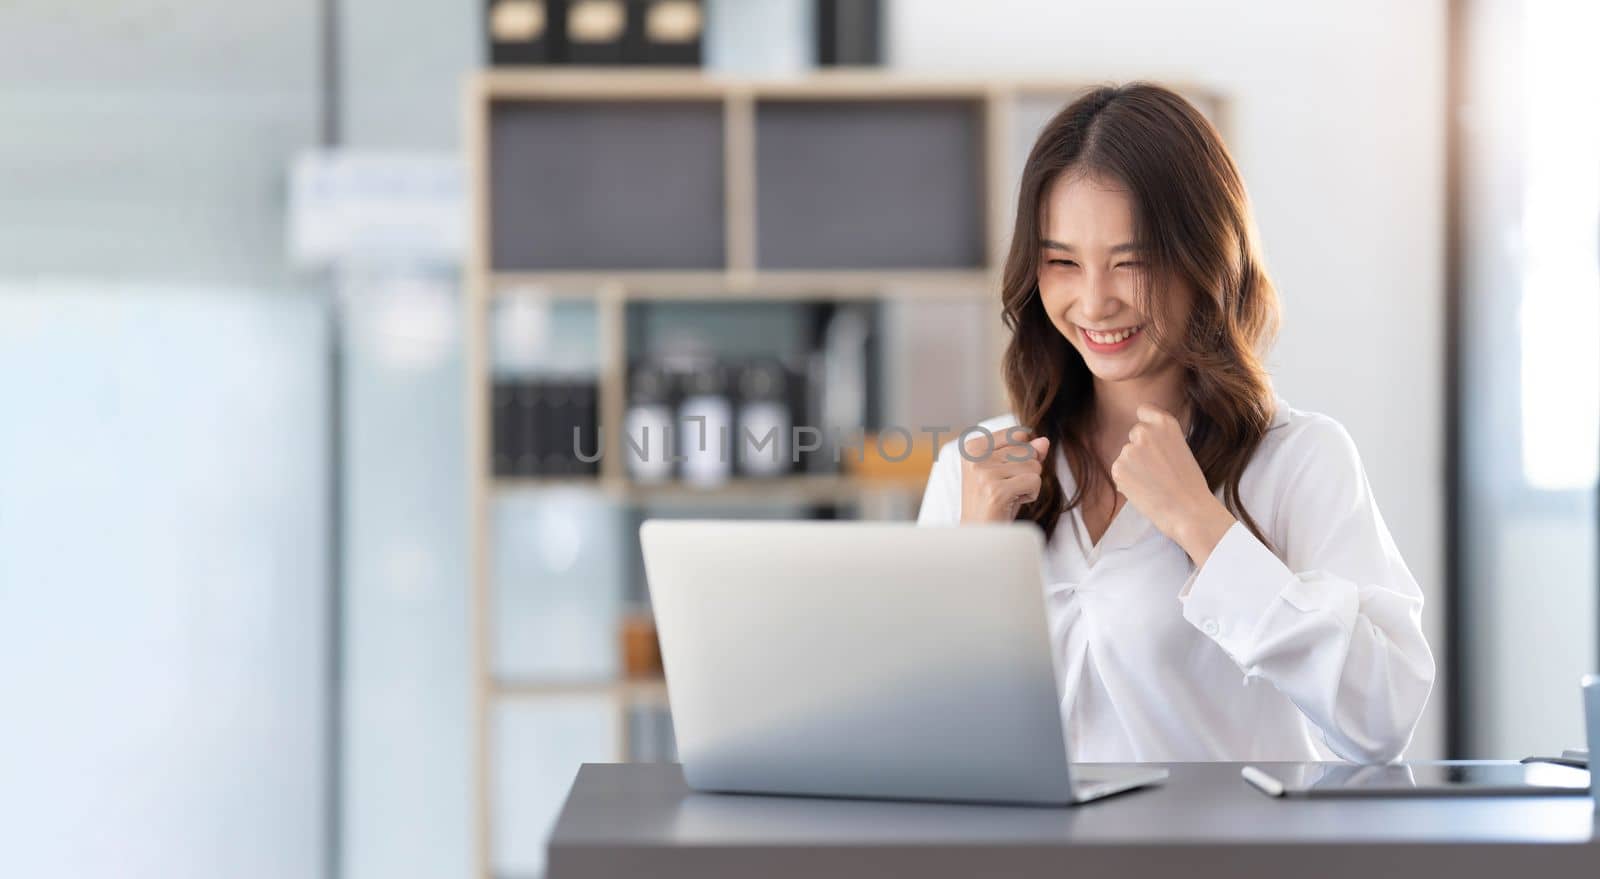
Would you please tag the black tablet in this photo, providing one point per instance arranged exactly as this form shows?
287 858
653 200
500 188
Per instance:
1450 778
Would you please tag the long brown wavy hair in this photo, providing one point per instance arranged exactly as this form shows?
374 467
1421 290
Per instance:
1192 222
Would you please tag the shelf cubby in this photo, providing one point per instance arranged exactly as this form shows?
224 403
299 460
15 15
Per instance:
607 185
890 184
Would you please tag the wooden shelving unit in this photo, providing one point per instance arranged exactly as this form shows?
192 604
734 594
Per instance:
942 237
634 691
841 489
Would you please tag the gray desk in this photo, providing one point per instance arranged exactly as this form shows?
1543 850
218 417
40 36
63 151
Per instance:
640 820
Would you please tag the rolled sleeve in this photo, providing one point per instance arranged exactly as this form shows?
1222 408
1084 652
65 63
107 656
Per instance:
1334 621
1228 597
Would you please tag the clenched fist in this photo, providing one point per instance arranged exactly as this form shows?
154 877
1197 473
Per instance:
1158 474
997 481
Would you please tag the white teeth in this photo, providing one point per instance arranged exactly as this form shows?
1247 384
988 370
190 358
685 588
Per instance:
1111 338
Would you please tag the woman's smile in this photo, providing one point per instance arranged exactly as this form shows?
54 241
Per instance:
1110 341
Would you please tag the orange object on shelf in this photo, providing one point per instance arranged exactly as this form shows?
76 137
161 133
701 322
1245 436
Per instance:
888 456
641 650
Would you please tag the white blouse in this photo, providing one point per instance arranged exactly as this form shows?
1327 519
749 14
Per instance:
1310 650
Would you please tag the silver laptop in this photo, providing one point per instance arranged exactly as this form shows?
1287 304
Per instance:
864 660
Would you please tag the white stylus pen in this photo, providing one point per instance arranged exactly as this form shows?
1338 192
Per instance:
1262 781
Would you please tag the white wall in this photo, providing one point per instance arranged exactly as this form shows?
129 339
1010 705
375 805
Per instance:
163 581
1337 120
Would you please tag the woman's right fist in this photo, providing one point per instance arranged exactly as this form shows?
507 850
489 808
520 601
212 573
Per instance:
1000 473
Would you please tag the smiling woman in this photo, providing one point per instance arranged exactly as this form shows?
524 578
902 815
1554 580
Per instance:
1142 255
1202 534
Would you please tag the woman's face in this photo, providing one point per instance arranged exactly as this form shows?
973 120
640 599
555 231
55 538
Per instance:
1089 277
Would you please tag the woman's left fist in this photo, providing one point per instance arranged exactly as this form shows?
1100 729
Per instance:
1158 474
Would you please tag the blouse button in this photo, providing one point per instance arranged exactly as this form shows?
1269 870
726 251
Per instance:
1210 627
